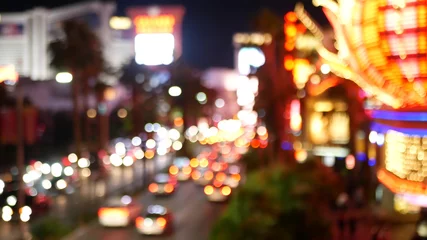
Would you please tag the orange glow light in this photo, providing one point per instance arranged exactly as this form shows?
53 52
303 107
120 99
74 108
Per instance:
139 222
291 17
194 162
226 191
236 177
113 212
289 46
255 143
149 154
186 170
195 175
208 175
173 170
178 122
153 188
289 63
168 188
161 222
398 185
220 176
208 190
290 30
154 24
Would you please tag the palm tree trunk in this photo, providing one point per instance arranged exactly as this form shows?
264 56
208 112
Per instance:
76 116
135 111
87 129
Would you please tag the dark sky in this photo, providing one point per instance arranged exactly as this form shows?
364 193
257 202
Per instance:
208 24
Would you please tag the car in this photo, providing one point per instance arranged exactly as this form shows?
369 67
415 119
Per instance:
217 191
34 205
118 212
156 220
233 176
163 184
202 176
181 168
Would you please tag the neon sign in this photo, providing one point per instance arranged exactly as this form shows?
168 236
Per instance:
154 24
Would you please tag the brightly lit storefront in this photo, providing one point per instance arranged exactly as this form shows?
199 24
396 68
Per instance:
381 47
158 34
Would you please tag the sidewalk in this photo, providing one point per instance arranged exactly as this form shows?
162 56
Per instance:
394 226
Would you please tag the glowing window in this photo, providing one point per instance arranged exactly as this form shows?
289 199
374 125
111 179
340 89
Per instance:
154 49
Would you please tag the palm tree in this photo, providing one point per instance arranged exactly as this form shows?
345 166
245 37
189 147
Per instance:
78 52
275 84
281 203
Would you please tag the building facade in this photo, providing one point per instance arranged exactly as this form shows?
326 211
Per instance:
24 36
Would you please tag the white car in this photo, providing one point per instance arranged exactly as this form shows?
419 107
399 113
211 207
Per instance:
118 212
217 192
163 184
156 220
202 176
181 169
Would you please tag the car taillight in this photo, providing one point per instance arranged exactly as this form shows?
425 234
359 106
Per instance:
186 170
226 190
161 222
120 212
220 176
168 188
173 170
209 190
208 175
153 188
139 222
195 175
236 177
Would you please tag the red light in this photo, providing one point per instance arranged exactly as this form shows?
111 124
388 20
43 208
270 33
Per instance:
153 188
139 222
291 17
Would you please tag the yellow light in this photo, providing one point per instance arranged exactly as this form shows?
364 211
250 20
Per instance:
161 222
208 190
194 162
91 113
204 162
149 154
122 113
226 191
173 170
120 23
154 24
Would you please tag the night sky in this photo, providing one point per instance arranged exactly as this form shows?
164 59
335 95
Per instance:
208 24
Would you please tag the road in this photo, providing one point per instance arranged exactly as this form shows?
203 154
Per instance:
194 217
85 200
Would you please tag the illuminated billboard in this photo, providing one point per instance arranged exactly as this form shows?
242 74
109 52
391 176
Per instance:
158 37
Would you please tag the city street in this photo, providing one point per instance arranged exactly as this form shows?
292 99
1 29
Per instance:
86 199
193 215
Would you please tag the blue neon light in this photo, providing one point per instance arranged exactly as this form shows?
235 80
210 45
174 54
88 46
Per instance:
361 156
400 116
372 162
383 128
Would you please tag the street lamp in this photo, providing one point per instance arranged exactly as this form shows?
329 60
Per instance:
175 91
64 77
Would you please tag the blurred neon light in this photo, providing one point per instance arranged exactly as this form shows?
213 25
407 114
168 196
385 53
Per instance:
383 128
400 116
249 57
398 185
8 73
154 24
154 49
296 120
120 23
